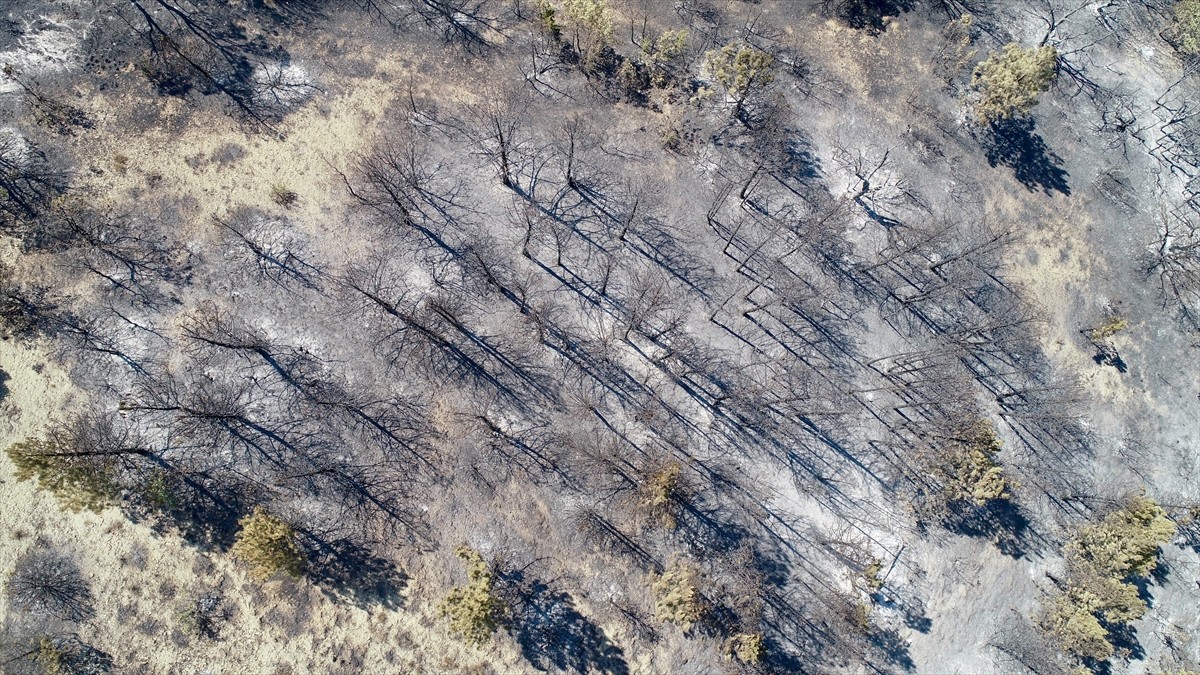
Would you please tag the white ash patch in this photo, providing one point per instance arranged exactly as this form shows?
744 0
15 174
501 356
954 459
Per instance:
49 44
282 86
14 148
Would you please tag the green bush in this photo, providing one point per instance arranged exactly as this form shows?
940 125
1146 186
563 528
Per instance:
591 26
475 610
1072 621
746 647
677 596
1125 543
1186 27
741 69
1101 561
267 544
78 480
1009 81
660 493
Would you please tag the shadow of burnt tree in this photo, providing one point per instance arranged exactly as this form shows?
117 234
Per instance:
869 15
1000 520
25 652
348 571
202 511
1016 144
551 632
892 647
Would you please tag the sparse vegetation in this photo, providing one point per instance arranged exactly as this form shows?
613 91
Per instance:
703 320
1186 27
281 195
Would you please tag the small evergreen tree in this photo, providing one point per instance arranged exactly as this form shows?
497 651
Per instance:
591 25
475 610
79 480
742 70
1009 81
746 647
660 494
1073 624
267 544
1125 543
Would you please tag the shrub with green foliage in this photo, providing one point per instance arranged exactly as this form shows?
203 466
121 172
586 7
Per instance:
965 469
746 647
976 475
78 480
741 69
1125 543
1010 80
1072 621
475 610
267 544
1185 29
660 492
591 26
677 597
1102 560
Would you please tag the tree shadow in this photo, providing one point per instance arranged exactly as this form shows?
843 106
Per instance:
870 15
1190 532
893 647
1124 637
1001 520
203 512
551 632
348 571
1016 144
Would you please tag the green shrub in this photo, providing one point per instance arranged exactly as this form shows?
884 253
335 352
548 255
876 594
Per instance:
1072 622
1101 561
1125 543
746 647
966 467
591 24
475 610
677 596
741 69
1109 328
1186 26
78 480
660 492
1009 81
267 544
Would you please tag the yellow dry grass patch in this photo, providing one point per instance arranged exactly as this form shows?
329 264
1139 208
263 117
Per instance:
140 580
1054 262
